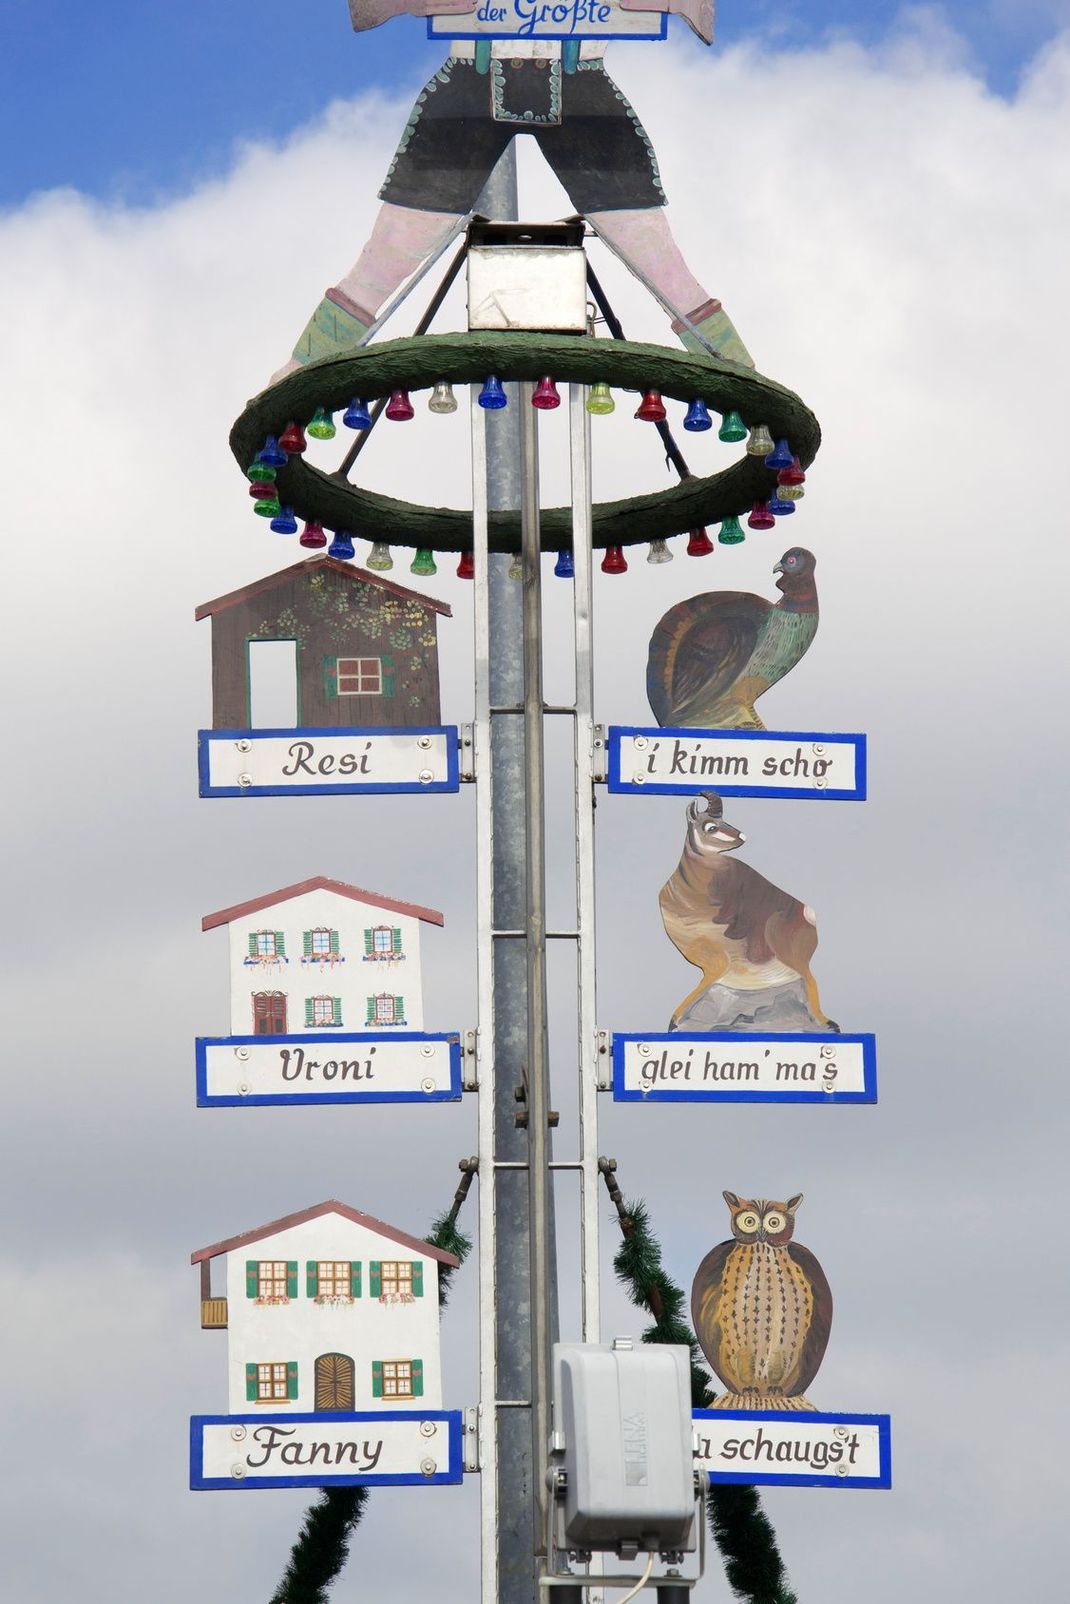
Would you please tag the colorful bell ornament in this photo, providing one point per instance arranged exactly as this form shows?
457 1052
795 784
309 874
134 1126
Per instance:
379 558
264 490
613 562
779 507
651 409
545 396
659 552
516 567
699 543
793 475
761 441
284 522
267 506
492 396
600 402
780 457
322 425
356 415
442 400
760 516
466 566
341 546
312 536
698 418
260 472
270 454
790 492
730 532
292 439
399 409
423 563
732 428
565 566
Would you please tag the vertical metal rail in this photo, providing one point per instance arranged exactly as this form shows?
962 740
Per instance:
580 468
538 1068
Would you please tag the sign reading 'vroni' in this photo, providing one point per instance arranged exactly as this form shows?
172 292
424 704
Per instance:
409 1067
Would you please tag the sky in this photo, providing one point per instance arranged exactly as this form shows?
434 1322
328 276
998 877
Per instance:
891 241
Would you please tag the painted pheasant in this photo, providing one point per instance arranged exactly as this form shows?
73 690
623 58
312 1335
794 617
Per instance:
712 656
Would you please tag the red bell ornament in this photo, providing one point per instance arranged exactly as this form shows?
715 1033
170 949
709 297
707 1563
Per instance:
312 535
545 396
292 439
613 562
651 408
793 475
760 516
699 543
466 568
399 409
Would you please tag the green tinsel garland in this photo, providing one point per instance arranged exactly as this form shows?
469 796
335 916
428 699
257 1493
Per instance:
739 1525
323 1544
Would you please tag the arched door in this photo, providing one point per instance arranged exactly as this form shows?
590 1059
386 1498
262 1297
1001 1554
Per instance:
334 1381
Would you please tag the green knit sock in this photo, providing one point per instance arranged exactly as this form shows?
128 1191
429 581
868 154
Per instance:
331 329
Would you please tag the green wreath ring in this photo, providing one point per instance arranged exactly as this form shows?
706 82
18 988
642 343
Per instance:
420 362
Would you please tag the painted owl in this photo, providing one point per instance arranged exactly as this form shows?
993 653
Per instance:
762 1308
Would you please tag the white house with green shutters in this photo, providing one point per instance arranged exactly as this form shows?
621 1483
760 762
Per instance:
326 1310
322 956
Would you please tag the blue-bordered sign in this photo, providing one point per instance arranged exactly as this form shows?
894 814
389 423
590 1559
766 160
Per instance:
545 19
395 1448
736 1067
774 1448
374 1067
327 762
786 763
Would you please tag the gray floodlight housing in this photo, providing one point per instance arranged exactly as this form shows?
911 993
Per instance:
622 1454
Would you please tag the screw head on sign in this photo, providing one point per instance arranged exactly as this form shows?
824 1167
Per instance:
428 1084
238 1472
428 1467
428 1428
425 776
237 1433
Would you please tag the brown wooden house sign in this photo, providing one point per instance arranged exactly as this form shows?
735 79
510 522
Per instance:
356 649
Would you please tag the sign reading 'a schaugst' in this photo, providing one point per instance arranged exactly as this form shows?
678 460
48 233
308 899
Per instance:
772 1448
327 762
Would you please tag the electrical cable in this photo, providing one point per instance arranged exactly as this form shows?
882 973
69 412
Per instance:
641 1583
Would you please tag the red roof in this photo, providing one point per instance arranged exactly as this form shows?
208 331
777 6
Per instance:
312 565
320 882
247 1238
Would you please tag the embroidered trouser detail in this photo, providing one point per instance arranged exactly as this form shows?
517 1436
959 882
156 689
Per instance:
463 120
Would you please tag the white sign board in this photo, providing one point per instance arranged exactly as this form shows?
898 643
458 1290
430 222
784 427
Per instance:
767 1448
543 19
735 1067
404 1448
679 762
327 762
338 1068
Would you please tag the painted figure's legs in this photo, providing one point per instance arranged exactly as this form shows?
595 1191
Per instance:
401 241
644 242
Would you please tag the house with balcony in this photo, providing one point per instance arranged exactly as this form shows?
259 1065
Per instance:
328 1309
323 956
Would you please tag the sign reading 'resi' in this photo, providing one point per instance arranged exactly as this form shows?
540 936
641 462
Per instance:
327 762
679 762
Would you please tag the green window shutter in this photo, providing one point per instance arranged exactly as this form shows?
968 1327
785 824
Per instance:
388 675
330 677
308 1013
336 1005
377 1378
417 1279
371 1011
312 1278
252 1278
250 1383
334 943
354 1279
375 1278
307 939
369 943
395 940
399 1010
252 943
291 1379
280 944
417 1378
291 1278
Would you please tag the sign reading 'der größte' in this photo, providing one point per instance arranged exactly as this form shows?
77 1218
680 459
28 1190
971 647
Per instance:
548 19
327 762
391 1449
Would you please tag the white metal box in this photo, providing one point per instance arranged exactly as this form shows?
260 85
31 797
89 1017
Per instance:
623 1436
524 276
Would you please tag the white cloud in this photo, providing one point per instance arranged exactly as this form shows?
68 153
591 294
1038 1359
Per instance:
885 231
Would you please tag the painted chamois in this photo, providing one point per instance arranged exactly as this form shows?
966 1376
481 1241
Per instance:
736 926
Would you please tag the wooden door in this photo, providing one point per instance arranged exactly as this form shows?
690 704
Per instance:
334 1381
269 1013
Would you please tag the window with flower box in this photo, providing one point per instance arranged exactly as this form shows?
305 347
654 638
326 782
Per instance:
271 1280
332 1280
386 1009
266 947
321 946
382 943
395 1280
323 1013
